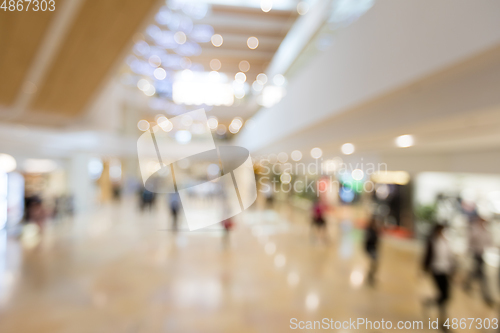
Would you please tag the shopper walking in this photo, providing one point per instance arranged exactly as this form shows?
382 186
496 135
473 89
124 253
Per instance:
439 261
174 205
479 239
319 221
372 233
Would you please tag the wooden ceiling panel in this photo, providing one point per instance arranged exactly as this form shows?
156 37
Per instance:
98 36
21 34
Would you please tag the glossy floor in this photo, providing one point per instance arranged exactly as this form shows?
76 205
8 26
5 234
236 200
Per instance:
120 270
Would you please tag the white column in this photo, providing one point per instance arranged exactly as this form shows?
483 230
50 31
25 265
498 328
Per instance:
81 186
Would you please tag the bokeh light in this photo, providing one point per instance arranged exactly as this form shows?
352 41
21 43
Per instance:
244 66
302 8
262 78
279 80
266 5
154 60
221 129
404 141
143 125
316 153
180 37
282 157
357 174
257 86
7 163
347 148
312 301
217 40
252 42
215 64
286 178
240 77
213 122
160 73
296 155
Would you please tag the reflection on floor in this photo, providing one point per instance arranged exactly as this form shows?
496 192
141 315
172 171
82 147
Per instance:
119 270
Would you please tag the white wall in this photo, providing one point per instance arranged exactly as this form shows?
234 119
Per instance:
394 44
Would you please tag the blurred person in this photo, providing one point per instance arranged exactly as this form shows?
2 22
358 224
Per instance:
318 219
269 197
117 191
37 213
147 199
174 205
479 239
469 209
372 234
28 200
228 226
439 262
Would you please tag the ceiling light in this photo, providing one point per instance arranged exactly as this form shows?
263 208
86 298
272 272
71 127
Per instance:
7 163
302 8
271 95
252 42
257 86
143 125
240 77
187 74
213 122
237 123
312 301
150 91
233 129
279 80
215 64
217 40
347 148
160 73
404 141
154 60
180 37
266 5
143 85
197 88
164 124
240 93
244 66
296 155
214 76
221 129
316 153
262 78
357 174
161 119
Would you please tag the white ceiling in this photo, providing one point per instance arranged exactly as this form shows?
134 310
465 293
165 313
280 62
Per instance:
388 75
